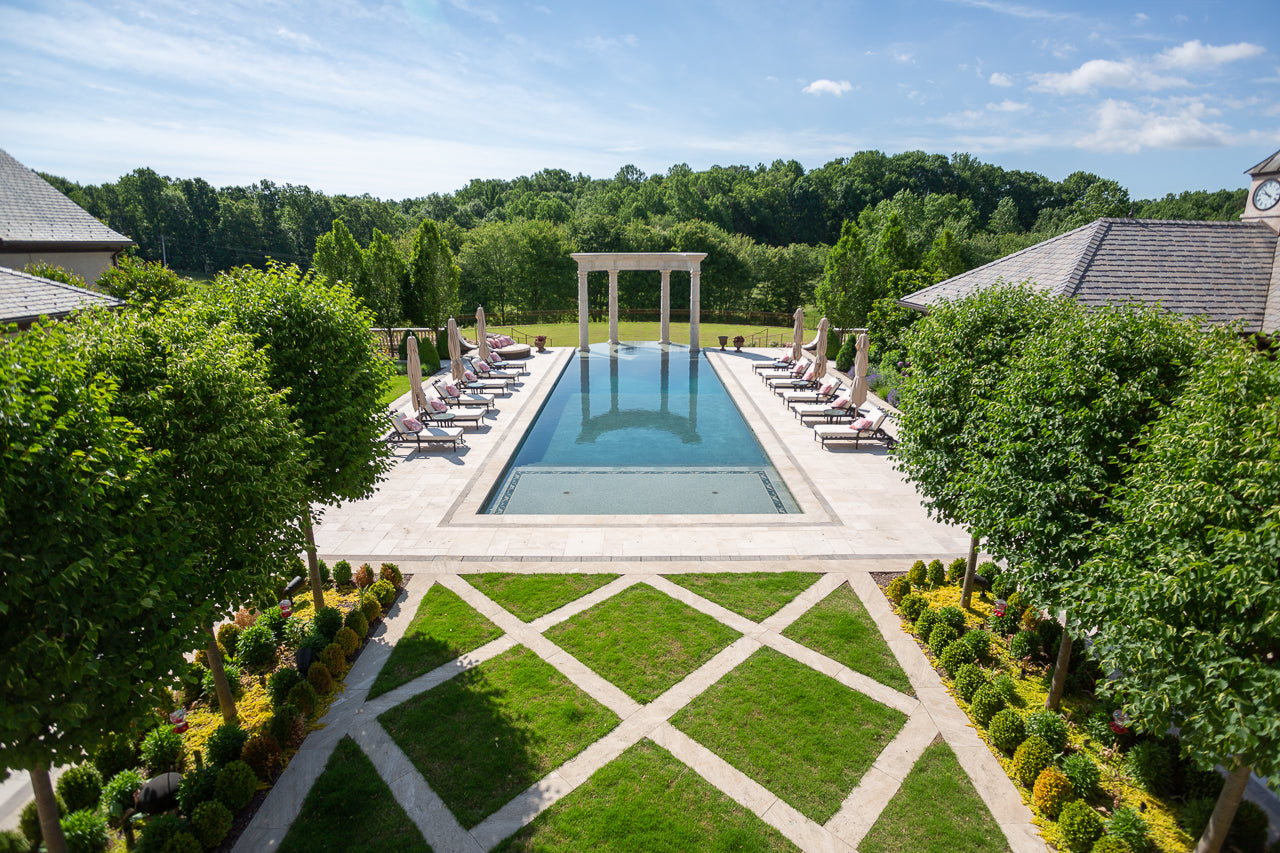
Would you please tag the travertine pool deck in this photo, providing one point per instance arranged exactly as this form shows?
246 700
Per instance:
854 504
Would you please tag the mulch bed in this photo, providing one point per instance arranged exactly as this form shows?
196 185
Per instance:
883 579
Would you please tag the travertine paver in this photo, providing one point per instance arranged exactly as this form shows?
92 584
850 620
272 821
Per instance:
933 713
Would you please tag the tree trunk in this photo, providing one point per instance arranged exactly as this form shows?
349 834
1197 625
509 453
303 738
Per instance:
226 701
313 564
1060 672
47 808
1215 834
970 569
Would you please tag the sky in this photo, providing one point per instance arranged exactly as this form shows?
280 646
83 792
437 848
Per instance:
403 99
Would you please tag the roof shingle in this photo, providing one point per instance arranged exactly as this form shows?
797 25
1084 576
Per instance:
33 212
25 297
1219 270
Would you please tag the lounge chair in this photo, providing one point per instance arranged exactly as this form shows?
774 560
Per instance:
455 396
794 372
823 394
808 380
439 412
510 366
475 384
841 408
403 433
484 370
783 363
865 429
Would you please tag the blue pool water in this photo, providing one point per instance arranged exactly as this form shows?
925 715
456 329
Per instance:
647 429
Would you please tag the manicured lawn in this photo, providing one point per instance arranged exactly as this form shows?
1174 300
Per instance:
802 735
531 596
757 595
398 387
443 628
937 810
350 810
642 640
840 628
646 801
483 737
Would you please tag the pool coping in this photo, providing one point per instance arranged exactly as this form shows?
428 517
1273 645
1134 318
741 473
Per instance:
465 511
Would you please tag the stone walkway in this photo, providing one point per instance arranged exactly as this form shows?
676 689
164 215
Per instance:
931 713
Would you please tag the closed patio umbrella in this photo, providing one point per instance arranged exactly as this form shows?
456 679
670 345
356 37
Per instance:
455 352
820 354
482 340
860 387
797 348
417 396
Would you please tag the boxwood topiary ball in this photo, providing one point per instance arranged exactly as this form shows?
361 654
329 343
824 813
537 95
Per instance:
968 680
1080 826
1007 731
987 702
1050 726
1033 756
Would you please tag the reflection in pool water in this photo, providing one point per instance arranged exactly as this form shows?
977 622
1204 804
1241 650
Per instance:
646 429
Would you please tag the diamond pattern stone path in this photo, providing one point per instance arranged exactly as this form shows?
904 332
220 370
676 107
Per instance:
933 713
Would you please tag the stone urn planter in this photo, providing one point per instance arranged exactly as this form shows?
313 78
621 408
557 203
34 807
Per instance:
738 342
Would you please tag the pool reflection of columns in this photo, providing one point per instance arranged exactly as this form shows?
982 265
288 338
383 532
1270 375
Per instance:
584 374
693 389
664 262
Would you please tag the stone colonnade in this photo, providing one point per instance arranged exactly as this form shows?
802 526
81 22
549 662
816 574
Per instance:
663 262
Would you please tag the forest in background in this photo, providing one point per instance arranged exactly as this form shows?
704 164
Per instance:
768 230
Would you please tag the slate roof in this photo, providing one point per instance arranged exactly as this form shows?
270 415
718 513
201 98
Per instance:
1267 166
1220 270
34 214
25 297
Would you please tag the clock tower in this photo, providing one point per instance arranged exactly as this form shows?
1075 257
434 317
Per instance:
1263 202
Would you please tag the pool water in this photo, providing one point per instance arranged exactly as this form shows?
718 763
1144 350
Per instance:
644 429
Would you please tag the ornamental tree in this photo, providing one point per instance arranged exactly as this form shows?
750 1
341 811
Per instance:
848 285
1185 585
960 354
94 608
233 460
432 288
325 361
1055 437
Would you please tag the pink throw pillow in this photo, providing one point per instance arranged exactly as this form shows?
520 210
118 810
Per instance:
482 367
437 405
798 369
451 390
842 402
827 389
786 358
412 424
469 376
861 424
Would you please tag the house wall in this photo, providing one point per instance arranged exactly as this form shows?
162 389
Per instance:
87 265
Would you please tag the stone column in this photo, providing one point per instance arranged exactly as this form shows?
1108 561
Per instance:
665 336
613 307
582 309
695 306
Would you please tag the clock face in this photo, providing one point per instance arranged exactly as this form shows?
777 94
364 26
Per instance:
1267 195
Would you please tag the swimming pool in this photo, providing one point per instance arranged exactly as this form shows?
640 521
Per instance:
642 428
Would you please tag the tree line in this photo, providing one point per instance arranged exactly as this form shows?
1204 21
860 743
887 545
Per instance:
767 230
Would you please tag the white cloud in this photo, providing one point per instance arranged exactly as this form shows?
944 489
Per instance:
1193 54
299 39
828 87
1017 10
903 56
1141 17
603 44
1002 80
1173 123
1098 73
1008 106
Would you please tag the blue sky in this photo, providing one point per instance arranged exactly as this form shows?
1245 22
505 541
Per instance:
401 99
